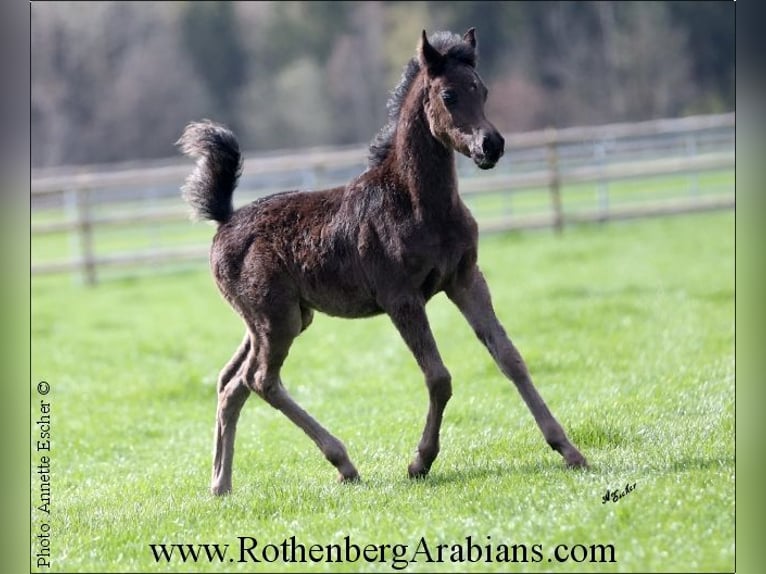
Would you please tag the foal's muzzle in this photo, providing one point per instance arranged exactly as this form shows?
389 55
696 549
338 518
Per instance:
487 149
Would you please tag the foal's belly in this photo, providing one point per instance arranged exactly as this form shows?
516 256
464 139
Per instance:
347 309
338 301
338 290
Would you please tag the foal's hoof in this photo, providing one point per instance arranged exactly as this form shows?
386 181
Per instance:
349 477
220 489
576 460
417 470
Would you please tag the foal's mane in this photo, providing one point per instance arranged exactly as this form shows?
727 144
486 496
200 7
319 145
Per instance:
451 45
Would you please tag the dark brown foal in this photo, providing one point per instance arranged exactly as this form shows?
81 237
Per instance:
385 243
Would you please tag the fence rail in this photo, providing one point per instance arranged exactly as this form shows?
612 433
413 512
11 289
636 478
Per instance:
549 163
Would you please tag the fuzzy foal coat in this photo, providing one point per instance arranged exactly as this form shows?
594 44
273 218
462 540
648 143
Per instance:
385 243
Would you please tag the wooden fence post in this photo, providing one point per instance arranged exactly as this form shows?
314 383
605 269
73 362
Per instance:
555 179
602 188
85 229
691 152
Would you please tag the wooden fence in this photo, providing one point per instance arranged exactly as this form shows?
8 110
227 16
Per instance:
549 163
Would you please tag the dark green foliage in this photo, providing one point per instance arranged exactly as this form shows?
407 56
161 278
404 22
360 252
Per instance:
292 74
296 29
711 38
212 40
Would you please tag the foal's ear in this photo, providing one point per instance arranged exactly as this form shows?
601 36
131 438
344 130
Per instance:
470 37
429 57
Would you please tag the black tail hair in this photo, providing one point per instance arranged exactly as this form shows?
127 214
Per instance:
209 188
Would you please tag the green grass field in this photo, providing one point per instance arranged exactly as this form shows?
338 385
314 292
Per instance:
628 331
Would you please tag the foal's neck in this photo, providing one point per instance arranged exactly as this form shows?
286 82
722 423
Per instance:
424 164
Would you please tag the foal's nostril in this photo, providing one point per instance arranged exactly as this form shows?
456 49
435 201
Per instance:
486 145
493 144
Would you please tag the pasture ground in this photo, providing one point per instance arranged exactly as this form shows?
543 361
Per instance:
627 328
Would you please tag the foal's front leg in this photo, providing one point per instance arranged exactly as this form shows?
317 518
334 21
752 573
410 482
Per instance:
471 295
410 319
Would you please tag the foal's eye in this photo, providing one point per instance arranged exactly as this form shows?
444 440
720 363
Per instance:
449 97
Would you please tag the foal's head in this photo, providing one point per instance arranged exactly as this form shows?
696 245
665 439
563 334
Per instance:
454 100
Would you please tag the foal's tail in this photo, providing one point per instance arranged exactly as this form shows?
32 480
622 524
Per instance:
209 188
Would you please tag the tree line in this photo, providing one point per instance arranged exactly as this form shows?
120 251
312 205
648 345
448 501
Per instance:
116 81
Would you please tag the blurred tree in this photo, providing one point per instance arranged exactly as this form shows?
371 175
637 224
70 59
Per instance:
109 82
359 80
711 36
498 28
291 110
212 39
118 80
648 63
293 46
404 23
304 29
601 62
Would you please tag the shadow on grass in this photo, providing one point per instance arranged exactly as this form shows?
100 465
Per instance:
494 471
536 469
281 497
692 463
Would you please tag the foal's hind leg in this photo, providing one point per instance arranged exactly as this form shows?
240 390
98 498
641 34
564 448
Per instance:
412 322
471 295
276 333
232 394
232 367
